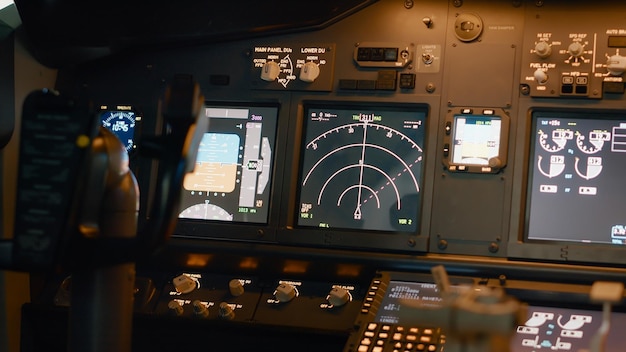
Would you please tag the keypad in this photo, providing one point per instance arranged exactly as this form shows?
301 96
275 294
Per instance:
379 337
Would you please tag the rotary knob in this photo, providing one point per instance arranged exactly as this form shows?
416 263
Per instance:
540 76
575 49
199 309
338 296
285 293
270 71
184 284
309 72
235 287
226 311
543 49
174 308
616 65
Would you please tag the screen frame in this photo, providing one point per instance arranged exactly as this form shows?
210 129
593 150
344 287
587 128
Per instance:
293 234
519 245
237 230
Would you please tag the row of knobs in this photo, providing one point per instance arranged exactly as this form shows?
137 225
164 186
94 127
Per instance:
308 73
285 292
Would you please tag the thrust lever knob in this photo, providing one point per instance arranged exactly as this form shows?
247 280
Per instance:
285 293
235 287
338 296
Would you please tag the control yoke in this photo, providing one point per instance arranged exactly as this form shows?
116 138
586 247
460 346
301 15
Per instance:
77 200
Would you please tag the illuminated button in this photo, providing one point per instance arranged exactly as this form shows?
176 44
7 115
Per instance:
367 305
380 342
369 299
363 348
377 349
567 80
366 341
409 345
368 334
398 345
372 326
581 80
400 328
383 335
428 331
397 336
386 328
411 337
413 330
432 348
420 347
425 338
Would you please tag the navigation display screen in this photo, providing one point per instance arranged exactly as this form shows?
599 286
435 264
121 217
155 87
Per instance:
362 167
576 187
233 173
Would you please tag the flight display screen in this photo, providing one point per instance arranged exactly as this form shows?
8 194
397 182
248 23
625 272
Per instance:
362 167
476 139
123 121
233 172
577 167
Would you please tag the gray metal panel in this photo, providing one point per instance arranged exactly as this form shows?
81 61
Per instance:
481 74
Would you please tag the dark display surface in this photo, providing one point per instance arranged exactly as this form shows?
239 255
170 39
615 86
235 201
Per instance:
576 177
546 328
233 174
362 167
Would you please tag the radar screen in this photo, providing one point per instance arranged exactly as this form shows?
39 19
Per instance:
362 167
476 141
123 121
576 187
233 172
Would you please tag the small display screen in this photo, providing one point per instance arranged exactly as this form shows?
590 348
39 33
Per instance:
233 173
476 139
122 120
362 167
545 328
576 187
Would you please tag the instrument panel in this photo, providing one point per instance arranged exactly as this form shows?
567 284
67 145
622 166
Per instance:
486 136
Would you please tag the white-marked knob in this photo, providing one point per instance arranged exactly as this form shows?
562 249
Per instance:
285 293
541 76
338 296
235 287
309 72
270 71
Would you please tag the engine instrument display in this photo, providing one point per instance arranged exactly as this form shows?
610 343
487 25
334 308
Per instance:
576 173
233 173
362 167
476 141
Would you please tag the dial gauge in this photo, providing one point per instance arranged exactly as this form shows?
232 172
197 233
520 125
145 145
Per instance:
123 124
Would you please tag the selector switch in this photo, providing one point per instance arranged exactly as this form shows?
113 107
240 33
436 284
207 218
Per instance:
616 65
226 311
540 76
285 293
235 287
309 72
338 296
270 71
543 49
199 309
174 308
575 49
184 284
